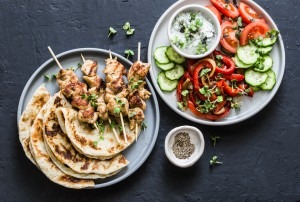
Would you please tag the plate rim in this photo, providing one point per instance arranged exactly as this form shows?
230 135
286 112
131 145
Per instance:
156 116
203 121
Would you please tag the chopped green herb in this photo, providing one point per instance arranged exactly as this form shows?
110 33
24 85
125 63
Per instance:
126 26
79 65
120 128
112 31
220 98
95 143
219 57
130 31
112 124
214 139
180 105
84 96
48 76
205 71
184 92
101 137
214 161
239 22
117 110
144 126
129 53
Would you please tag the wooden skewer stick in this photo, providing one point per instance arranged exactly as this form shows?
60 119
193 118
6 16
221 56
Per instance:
54 57
121 115
114 130
139 58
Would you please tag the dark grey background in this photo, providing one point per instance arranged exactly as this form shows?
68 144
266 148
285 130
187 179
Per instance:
260 155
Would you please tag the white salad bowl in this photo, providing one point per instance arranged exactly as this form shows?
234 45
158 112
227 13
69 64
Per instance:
208 15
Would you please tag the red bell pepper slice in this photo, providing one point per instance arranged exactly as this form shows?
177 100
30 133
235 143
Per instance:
234 77
179 89
229 66
231 91
212 117
190 65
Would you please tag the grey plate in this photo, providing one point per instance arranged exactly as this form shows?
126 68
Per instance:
250 106
138 152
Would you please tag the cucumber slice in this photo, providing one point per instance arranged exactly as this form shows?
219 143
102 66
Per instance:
166 66
160 55
266 65
270 82
264 50
247 54
239 63
268 41
255 88
174 56
255 78
175 73
166 84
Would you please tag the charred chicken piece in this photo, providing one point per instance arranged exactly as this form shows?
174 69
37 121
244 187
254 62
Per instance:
73 89
113 67
136 101
138 71
89 68
80 103
64 77
87 115
136 116
93 81
110 94
117 105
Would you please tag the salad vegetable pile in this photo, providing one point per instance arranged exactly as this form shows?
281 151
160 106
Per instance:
210 87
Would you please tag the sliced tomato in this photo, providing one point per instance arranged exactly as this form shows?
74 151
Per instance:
215 11
227 9
253 31
248 14
228 38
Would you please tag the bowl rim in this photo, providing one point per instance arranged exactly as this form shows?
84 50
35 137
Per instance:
199 154
209 14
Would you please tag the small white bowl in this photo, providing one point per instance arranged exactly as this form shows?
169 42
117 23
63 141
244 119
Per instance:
196 138
208 14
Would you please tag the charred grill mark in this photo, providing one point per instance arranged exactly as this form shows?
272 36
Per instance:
57 102
55 129
66 154
71 179
80 139
85 166
122 160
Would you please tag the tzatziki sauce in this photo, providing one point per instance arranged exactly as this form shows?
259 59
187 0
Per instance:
192 33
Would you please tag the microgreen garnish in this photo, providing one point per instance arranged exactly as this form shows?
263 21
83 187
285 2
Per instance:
205 71
214 139
180 105
95 143
129 53
112 31
112 124
117 110
101 127
128 29
239 22
79 65
48 76
214 161
143 125
184 92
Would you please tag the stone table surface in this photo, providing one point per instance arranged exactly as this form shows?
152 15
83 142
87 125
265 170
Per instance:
260 155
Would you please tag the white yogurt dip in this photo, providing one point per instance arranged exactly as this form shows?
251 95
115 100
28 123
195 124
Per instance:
192 33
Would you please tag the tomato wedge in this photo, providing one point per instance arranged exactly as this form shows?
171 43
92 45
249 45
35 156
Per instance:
253 31
228 38
215 11
227 9
248 14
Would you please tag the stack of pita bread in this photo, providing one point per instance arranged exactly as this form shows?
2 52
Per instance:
66 150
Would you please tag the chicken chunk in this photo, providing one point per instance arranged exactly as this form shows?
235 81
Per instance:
64 77
93 81
89 68
114 67
136 101
87 115
136 116
80 103
138 71
117 105
74 89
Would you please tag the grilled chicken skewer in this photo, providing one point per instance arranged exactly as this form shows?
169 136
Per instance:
138 94
88 69
116 90
73 89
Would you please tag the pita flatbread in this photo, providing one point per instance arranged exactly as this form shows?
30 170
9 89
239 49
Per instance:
39 98
44 161
63 151
83 137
